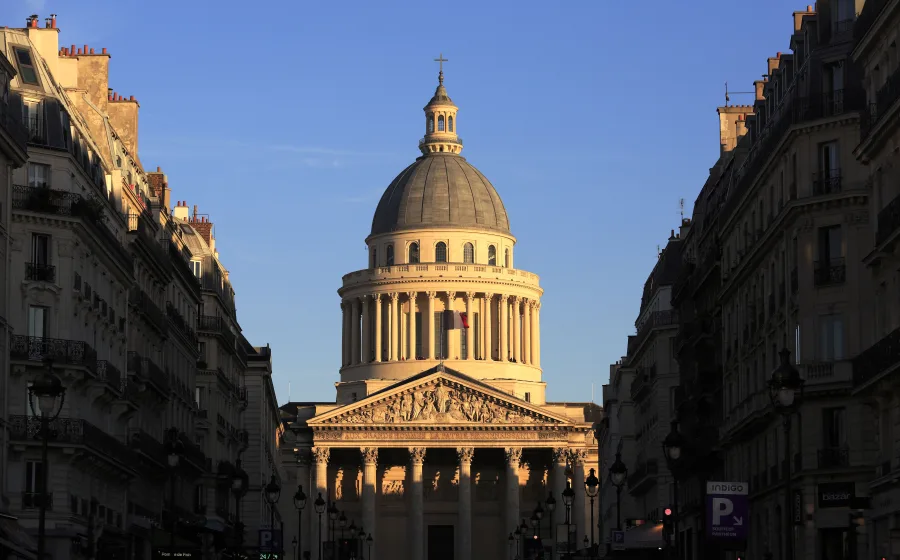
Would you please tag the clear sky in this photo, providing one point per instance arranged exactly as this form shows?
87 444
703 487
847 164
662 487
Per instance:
284 121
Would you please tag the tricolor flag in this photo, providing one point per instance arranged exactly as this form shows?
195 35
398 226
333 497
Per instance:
455 320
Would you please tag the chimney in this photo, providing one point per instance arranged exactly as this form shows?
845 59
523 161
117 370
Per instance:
204 229
195 213
53 21
759 85
45 41
47 23
180 211
124 118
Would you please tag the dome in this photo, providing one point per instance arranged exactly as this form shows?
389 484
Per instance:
440 190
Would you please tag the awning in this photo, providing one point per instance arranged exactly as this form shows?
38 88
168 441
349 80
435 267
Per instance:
645 536
14 538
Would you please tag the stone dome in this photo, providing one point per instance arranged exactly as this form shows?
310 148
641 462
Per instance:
440 190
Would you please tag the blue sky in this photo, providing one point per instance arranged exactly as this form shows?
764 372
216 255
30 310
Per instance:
284 122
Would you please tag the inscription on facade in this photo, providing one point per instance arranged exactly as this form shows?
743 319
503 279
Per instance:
437 435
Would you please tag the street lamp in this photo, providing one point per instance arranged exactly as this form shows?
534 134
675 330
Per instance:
369 541
342 521
568 496
592 488
294 542
300 504
273 493
618 473
239 486
362 539
50 395
673 445
319 504
517 534
786 392
510 540
523 529
333 514
174 451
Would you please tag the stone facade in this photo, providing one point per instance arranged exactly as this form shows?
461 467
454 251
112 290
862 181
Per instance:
440 437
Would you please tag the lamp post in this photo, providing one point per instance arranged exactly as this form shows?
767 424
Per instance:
592 488
300 504
517 535
174 450
333 514
510 541
50 395
597 428
294 542
672 447
362 539
342 523
618 474
239 486
568 497
786 392
273 493
369 541
319 504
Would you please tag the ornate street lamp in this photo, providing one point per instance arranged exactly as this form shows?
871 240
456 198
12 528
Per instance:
300 505
240 483
342 522
319 504
568 496
50 394
592 488
294 542
362 539
174 451
618 474
273 493
510 541
517 534
673 445
333 514
786 392
369 541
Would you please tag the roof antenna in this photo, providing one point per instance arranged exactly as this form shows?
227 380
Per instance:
289 391
681 208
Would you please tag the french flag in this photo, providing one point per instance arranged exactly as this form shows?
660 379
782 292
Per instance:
455 320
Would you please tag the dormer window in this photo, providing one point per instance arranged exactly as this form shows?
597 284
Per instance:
27 71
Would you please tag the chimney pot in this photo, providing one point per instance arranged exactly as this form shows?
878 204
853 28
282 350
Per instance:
47 23
53 21
131 98
195 210
92 51
158 169
809 8
85 49
103 51
72 49
778 54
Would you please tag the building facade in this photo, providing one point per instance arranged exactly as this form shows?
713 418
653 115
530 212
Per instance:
442 439
122 297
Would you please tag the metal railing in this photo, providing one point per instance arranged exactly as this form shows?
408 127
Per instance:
219 326
61 351
181 325
888 221
40 272
140 300
828 183
109 374
877 358
73 431
830 273
833 457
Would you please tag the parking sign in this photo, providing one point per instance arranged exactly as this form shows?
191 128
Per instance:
727 510
269 540
618 540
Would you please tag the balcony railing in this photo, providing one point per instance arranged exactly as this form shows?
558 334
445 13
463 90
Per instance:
40 272
109 374
148 370
148 308
32 500
61 351
218 326
833 457
888 220
828 183
655 320
149 446
876 359
830 273
180 324
76 432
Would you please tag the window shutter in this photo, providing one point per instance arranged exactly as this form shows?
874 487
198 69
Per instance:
15 106
53 124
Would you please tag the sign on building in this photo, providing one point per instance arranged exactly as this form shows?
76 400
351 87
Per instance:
727 510
836 494
270 540
618 540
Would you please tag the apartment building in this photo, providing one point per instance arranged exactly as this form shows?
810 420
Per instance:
124 297
875 368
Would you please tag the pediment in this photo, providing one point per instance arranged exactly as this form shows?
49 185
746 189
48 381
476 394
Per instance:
439 399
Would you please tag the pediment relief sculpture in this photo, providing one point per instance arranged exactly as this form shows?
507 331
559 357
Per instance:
440 402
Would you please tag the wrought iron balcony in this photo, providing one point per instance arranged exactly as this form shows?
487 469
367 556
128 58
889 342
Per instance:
830 273
40 272
655 320
834 457
32 500
877 359
218 326
61 351
148 446
148 308
73 431
180 324
146 369
109 374
828 183
888 221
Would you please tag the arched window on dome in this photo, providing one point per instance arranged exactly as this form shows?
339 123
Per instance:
440 252
469 253
373 261
441 123
429 123
450 124
492 255
506 258
413 253
390 255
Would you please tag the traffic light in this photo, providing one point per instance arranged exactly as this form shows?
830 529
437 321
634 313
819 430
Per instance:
668 525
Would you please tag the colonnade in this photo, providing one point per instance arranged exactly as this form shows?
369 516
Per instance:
382 327
512 508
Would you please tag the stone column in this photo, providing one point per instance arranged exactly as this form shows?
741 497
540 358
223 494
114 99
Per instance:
526 340
377 299
428 321
488 327
417 499
345 333
577 457
516 329
354 332
470 332
537 333
370 479
366 331
395 327
504 323
465 455
513 458
558 484
451 346
303 478
321 456
412 325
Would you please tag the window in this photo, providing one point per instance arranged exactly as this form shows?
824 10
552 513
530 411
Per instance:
34 475
830 245
390 255
441 123
38 175
197 267
797 344
441 344
429 124
440 252
834 427
831 338
37 321
492 255
418 348
413 253
373 260
829 160
27 71
506 258
468 253
450 124
40 249
527 396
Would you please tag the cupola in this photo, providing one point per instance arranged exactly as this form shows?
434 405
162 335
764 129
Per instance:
440 120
